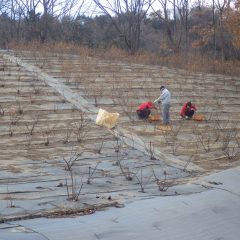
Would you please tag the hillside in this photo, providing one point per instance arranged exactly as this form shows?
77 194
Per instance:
51 148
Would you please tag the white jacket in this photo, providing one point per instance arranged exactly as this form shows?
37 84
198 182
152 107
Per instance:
164 98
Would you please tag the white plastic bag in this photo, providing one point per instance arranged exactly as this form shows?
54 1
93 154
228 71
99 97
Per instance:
106 119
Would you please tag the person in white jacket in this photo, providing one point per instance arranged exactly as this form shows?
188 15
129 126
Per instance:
164 99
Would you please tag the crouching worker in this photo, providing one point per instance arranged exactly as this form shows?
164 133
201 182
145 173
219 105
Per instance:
188 110
144 110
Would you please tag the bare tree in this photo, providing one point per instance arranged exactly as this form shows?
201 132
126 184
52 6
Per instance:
3 5
150 150
231 143
91 171
123 96
9 198
73 188
80 126
127 17
214 29
56 8
140 181
31 16
222 6
74 156
2 111
162 185
170 26
30 126
171 137
47 133
182 7
67 136
38 15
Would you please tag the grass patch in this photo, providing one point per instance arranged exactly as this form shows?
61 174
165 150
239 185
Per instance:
193 62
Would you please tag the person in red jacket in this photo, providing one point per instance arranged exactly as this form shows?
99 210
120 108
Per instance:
144 110
188 110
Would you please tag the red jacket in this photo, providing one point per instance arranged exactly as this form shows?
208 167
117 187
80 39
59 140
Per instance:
145 105
185 109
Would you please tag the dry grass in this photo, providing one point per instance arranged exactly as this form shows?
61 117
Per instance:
195 63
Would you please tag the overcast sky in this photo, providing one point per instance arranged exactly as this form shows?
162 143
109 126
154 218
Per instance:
90 9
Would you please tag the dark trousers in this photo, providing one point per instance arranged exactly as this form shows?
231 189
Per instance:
189 113
143 114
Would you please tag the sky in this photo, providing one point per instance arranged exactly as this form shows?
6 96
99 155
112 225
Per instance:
89 8
93 10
